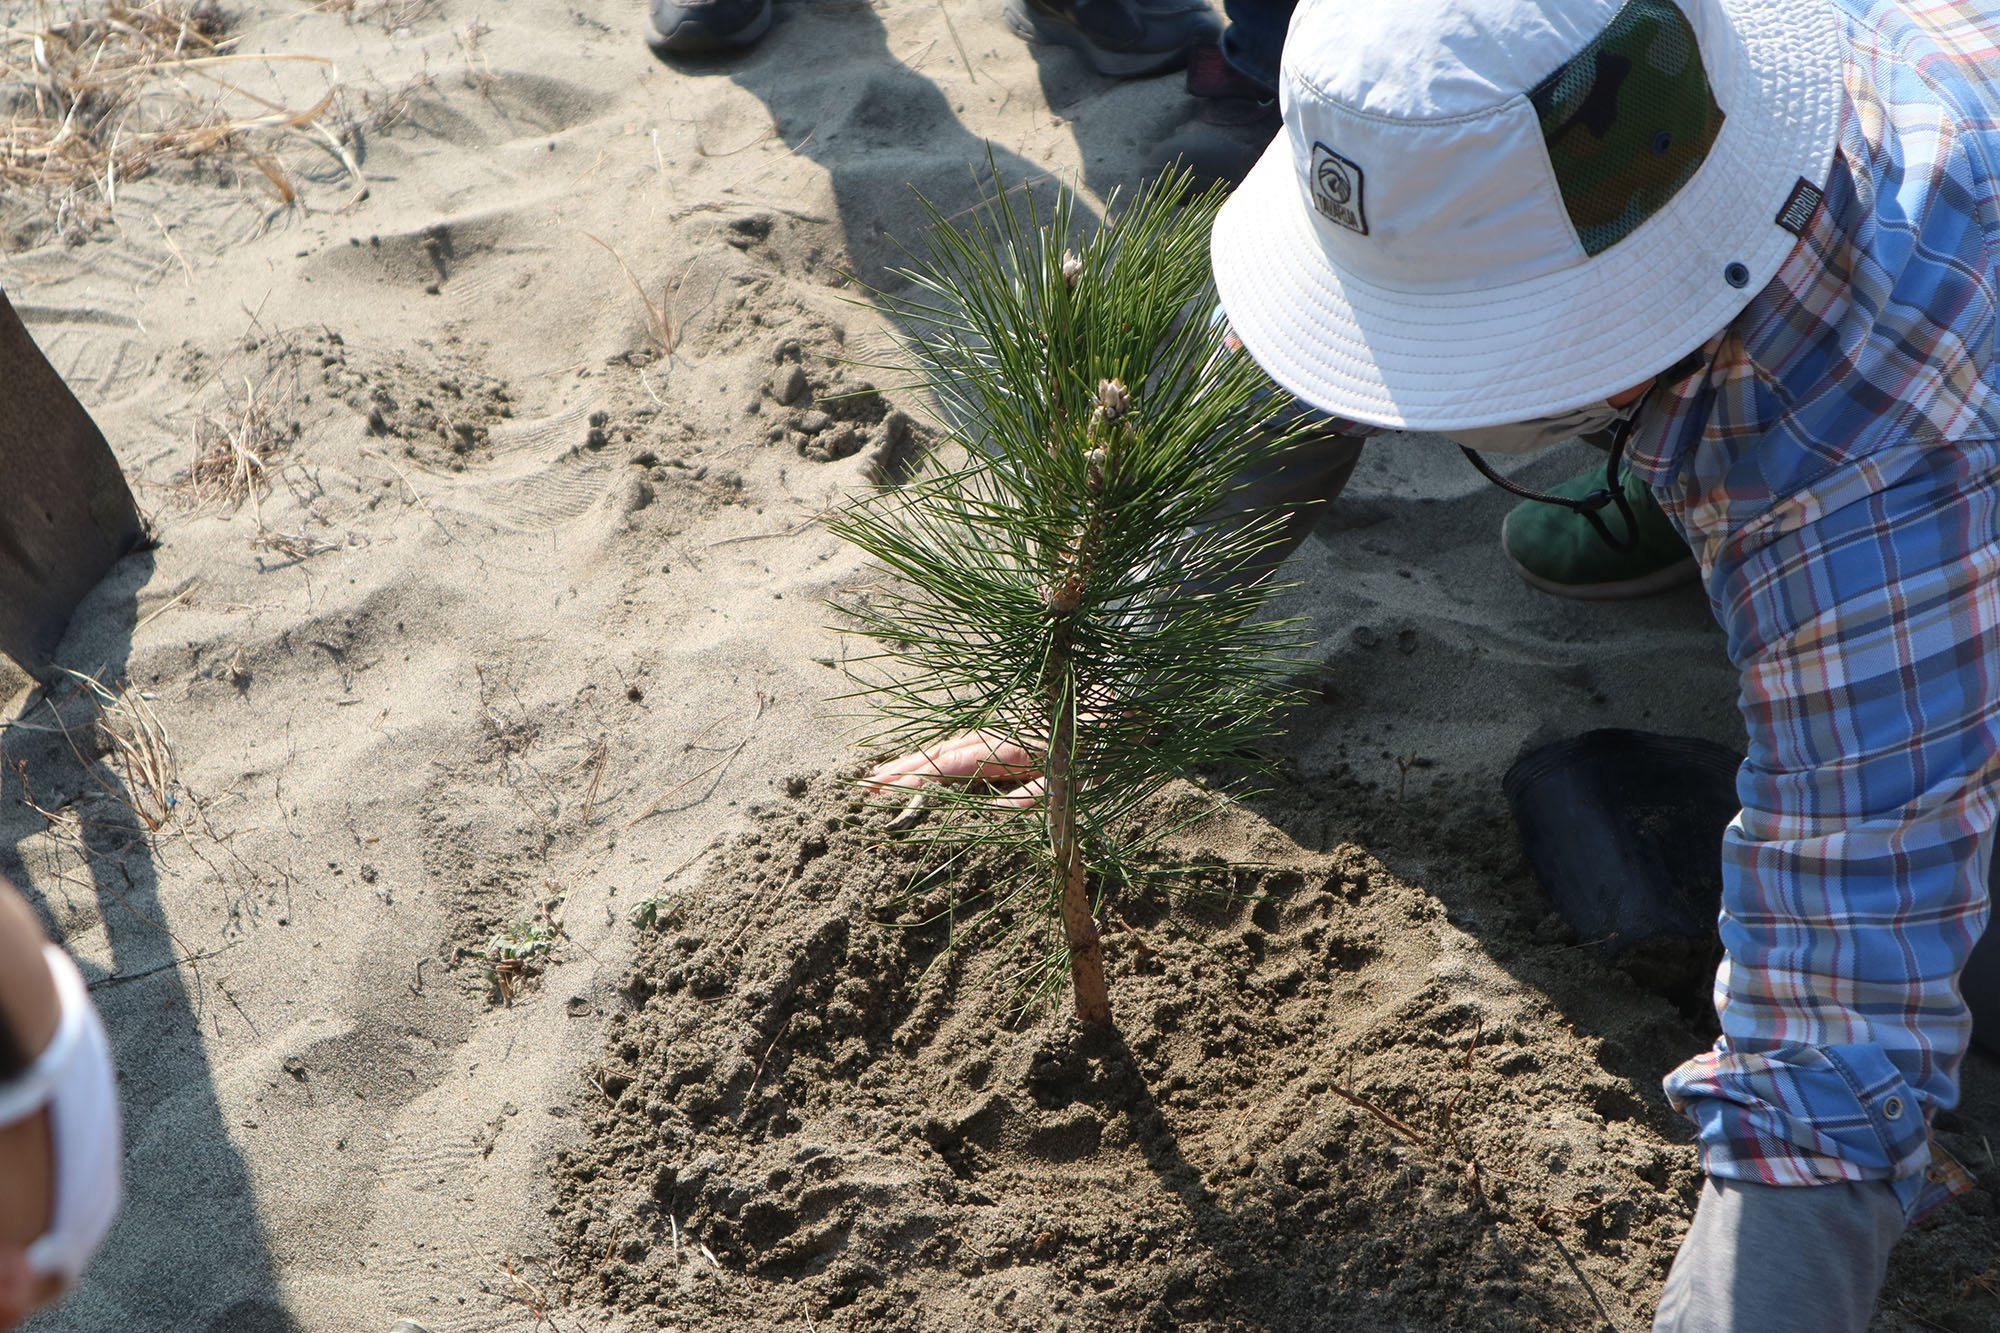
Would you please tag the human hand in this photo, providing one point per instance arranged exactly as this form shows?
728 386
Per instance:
985 757
22 1289
30 1008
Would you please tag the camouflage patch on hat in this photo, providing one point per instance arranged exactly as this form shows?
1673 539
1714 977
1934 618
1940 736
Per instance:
1627 120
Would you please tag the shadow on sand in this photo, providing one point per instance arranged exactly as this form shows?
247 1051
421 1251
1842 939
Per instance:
882 132
189 1237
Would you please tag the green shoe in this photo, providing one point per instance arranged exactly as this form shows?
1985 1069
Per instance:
1555 549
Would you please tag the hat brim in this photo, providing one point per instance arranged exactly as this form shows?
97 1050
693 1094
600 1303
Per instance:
1455 360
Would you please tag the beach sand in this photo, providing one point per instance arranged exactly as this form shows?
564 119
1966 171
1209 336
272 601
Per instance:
526 623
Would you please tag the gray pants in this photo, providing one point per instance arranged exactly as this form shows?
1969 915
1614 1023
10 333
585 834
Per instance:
1299 485
1771 1259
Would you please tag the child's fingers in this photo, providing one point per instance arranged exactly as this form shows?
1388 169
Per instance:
907 770
912 771
986 757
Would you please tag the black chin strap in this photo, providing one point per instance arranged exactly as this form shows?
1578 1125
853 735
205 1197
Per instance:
1611 492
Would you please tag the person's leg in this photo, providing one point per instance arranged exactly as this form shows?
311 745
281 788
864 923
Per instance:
1296 484
1291 491
1742 1270
1864 616
1121 38
1255 38
1296 487
1234 81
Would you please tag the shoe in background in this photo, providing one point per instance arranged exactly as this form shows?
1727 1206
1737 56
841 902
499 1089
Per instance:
1120 38
696 27
1235 119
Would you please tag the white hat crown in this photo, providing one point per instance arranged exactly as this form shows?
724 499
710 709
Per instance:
1459 180
1419 142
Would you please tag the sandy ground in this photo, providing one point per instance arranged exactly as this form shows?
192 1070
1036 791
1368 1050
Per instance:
528 618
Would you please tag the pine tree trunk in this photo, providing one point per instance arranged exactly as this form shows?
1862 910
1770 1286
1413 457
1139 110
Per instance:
1086 952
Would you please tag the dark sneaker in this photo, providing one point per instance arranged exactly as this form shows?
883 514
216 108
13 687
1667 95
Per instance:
1209 75
1555 549
689 27
1121 38
1226 96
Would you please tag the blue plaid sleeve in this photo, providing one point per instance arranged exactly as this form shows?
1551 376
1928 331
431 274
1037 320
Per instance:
1836 469
1868 638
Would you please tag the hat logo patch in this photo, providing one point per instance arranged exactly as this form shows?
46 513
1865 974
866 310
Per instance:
1336 189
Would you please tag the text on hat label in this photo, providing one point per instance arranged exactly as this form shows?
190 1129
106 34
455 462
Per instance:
1799 207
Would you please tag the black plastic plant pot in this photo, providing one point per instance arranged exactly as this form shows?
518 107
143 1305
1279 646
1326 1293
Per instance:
1624 831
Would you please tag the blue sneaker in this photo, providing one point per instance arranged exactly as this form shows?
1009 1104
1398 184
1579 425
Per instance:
690 27
1120 38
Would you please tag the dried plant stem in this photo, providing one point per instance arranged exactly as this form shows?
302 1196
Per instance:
659 315
140 753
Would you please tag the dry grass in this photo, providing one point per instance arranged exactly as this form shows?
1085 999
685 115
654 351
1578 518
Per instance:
660 323
234 447
384 110
128 756
133 743
246 425
293 545
389 14
139 751
96 95
479 75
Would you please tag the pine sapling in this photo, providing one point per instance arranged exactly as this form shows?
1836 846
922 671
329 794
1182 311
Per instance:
1077 578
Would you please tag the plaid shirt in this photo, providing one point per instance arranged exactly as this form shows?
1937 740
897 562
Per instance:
1836 469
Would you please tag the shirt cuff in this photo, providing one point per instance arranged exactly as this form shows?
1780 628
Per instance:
1807 1115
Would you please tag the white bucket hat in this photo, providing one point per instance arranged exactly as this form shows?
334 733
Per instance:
1487 211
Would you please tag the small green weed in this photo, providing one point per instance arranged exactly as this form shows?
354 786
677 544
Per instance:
656 911
516 952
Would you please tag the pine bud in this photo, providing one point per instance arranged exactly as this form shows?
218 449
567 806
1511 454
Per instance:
1094 463
1113 400
1072 269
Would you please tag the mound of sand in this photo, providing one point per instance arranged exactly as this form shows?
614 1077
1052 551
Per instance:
1337 1100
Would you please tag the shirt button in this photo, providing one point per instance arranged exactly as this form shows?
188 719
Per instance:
1892 1108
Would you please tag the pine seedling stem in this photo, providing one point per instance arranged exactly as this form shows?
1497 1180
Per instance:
1059 775
1079 581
